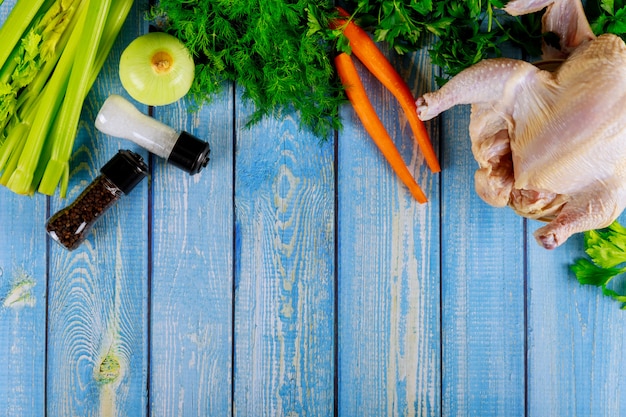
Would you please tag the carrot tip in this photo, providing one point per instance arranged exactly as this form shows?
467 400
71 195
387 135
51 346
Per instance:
435 168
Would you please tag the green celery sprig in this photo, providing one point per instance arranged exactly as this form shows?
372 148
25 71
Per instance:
40 119
118 13
10 150
22 51
16 24
40 51
28 97
606 249
66 124
37 139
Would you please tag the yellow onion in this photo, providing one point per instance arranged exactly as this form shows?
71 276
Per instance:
156 69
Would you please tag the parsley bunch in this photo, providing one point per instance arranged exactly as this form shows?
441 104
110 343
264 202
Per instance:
464 31
269 48
607 16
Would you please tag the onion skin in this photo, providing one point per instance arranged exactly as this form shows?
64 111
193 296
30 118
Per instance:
156 69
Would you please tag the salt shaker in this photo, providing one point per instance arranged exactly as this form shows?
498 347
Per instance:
120 118
71 225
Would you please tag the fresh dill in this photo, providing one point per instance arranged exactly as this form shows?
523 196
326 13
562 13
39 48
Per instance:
277 52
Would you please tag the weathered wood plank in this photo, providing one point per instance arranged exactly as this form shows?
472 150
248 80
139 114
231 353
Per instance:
192 270
23 285
576 338
97 321
284 276
388 265
22 304
483 331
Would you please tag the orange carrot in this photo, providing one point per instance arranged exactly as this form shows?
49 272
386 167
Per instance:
363 107
365 49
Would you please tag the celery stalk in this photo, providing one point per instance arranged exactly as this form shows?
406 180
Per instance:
9 66
13 158
23 61
11 143
66 125
30 95
117 16
33 58
42 115
42 128
16 24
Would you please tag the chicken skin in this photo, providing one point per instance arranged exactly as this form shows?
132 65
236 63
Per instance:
549 144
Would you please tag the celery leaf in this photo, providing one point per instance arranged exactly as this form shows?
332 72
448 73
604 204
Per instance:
606 250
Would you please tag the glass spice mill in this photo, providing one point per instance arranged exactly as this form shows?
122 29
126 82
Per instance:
71 225
118 117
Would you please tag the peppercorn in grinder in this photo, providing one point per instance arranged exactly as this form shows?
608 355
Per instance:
71 225
120 118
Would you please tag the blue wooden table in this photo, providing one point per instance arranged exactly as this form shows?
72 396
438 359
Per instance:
297 278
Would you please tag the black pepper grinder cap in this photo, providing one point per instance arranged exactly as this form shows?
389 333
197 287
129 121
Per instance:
190 153
126 169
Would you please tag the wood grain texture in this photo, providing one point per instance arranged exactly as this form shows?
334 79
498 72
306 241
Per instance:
192 270
22 304
297 278
284 277
483 303
576 339
388 266
97 321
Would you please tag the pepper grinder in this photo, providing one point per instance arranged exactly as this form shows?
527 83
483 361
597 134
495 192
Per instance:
120 118
71 225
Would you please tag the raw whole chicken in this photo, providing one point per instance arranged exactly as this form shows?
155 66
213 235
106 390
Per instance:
551 145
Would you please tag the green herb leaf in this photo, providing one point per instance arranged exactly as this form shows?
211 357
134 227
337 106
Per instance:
466 31
606 249
278 52
616 296
608 6
589 273
609 17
